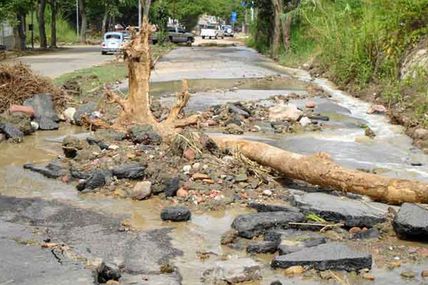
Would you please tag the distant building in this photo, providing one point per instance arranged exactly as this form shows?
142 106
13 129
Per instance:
6 35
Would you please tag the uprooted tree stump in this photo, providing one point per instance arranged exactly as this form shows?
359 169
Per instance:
317 169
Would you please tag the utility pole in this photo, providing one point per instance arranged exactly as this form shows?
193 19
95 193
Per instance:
139 14
77 18
32 28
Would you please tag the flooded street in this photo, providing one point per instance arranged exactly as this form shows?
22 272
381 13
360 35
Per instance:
34 208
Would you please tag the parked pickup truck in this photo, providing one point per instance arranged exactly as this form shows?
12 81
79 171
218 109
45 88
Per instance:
212 31
176 35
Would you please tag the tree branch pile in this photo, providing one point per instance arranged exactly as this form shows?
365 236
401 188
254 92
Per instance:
18 83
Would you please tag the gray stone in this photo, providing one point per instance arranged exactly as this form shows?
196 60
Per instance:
53 170
144 134
251 225
98 142
45 114
11 132
96 180
368 234
232 271
84 110
411 222
354 213
293 240
263 247
175 214
237 109
171 187
129 171
261 207
334 256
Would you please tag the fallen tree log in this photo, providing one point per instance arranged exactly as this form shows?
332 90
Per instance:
319 169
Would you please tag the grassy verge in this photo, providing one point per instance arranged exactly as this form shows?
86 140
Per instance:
91 80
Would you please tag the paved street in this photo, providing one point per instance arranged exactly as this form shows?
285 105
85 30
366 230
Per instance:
53 64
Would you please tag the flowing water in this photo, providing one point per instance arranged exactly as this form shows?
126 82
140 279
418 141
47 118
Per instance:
342 137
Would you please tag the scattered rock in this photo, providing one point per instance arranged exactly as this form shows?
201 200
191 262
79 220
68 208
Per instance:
229 237
96 180
287 112
424 274
238 109
366 234
251 225
298 240
411 222
182 193
368 276
45 114
267 193
408 274
172 187
144 134
334 256
100 143
108 272
200 176
276 282
175 214
305 121
241 177
369 133
84 110
354 213
233 129
261 207
142 190
129 171
377 109
310 104
52 170
420 134
69 114
11 132
263 247
232 271
294 270
189 154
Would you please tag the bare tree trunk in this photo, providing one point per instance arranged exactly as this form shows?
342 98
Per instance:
277 28
104 23
54 11
20 36
319 169
286 30
42 26
84 22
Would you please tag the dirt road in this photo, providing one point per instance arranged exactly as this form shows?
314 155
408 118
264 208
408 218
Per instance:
69 59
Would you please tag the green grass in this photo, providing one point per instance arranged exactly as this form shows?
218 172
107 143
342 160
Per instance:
93 78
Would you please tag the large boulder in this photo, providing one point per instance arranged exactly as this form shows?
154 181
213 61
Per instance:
334 256
45 114
411 222
232 271
352 212
251 225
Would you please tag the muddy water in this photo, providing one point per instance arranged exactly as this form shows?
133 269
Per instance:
343 137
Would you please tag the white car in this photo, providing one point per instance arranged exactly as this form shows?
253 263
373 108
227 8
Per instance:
212 31
113 42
